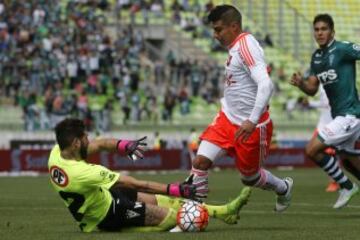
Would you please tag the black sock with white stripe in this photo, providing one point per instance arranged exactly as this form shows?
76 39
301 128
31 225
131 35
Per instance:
331 167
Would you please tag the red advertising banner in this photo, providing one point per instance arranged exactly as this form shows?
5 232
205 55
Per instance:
36 160
5 160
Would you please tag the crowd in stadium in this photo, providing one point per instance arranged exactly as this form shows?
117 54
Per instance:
58 60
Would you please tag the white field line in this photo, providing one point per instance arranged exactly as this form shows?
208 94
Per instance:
270 211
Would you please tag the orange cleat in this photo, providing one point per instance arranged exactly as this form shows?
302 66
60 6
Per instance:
332 187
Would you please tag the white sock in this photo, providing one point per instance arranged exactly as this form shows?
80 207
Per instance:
268 181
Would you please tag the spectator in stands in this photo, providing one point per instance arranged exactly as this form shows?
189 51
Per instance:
268 40
157 144
157 8
159 72
35 54
169 104
125 106
176 6
195 79
184 100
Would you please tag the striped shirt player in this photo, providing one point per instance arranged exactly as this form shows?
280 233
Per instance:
243 127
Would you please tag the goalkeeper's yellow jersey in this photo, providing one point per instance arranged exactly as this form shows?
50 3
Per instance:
84 188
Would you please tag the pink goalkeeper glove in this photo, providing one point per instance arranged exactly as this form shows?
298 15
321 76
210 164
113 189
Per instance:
182 190
199 178
133 148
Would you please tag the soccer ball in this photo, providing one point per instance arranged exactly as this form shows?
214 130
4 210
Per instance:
192 217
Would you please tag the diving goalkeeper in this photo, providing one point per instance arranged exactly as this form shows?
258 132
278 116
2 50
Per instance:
99 198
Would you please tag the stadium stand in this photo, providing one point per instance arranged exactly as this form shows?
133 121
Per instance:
122 64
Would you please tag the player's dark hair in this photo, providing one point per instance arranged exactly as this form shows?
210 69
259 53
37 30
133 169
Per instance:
67 130
326 18
226 13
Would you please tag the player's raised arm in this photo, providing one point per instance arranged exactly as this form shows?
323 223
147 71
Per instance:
309 86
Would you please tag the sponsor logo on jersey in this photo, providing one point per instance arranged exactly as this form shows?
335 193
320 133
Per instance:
317 62
59 176
228 79
327 77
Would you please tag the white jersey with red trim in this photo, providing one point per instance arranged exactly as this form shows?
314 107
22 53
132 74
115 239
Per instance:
248 86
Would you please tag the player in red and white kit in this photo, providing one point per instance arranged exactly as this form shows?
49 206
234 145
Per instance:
243 127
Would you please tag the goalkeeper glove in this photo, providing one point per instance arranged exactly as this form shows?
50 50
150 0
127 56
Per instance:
133 148
181 190
199 178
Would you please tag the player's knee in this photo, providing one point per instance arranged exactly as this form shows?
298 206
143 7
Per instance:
310 152
201 163
250 180
169 221
248 183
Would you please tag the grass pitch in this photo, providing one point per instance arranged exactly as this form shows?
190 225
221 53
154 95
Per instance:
30 209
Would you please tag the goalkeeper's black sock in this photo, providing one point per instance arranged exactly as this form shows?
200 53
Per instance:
331 167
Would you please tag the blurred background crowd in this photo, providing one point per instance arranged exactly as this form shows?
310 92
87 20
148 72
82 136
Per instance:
57 60
62 58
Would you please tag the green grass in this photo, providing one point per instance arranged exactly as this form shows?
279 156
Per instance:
30 209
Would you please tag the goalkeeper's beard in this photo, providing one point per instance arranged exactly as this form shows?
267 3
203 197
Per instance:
83 151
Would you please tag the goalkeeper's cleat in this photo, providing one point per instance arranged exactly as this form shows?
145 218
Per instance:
234 207
283 201
345 196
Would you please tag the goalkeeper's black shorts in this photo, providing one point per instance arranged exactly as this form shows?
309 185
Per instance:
124 211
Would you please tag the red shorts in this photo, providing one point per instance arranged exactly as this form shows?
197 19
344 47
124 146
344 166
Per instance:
250 154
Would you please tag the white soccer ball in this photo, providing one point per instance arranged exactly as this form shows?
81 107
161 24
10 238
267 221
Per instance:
192 217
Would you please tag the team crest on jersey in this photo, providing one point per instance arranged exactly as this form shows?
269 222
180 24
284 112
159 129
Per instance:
103 173
59 176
